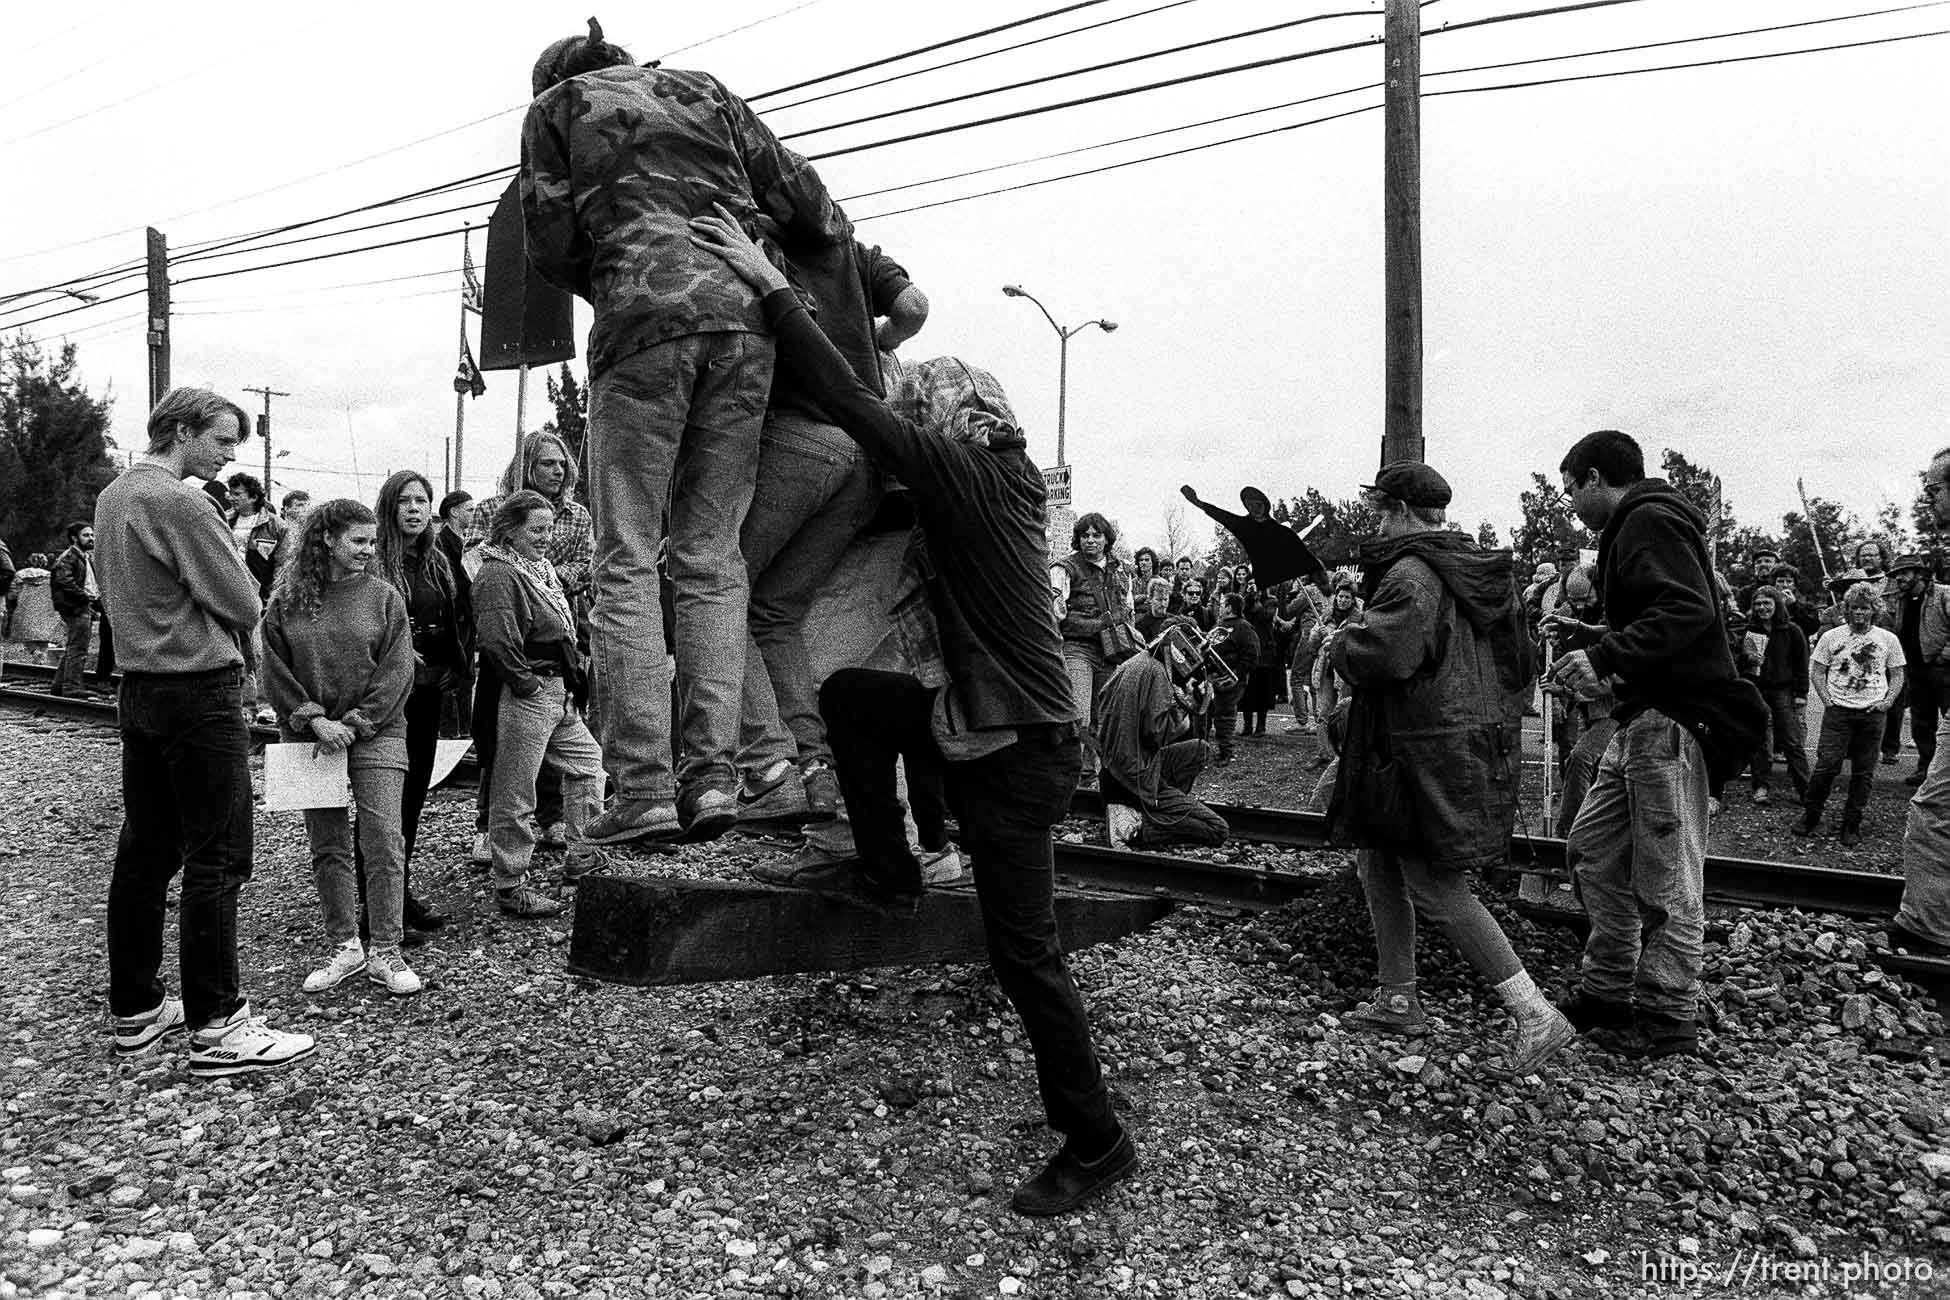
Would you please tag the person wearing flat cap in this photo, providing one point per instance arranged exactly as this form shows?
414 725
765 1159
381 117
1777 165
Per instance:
1923 630
1441 668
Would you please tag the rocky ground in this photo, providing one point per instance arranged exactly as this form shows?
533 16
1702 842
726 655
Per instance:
517 1131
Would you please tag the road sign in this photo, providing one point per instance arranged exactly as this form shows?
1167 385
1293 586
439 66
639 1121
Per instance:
1057 480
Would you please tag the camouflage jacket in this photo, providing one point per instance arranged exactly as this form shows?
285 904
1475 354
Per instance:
615 163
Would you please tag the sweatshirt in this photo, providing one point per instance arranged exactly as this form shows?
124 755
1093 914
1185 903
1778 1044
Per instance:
172 584
353 663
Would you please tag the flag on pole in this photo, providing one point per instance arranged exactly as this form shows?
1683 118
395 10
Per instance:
467 375
470 283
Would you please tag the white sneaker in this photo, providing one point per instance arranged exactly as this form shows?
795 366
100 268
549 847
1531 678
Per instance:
345 961
244 1044
387 968
482 854
943 868
554 836
134 1034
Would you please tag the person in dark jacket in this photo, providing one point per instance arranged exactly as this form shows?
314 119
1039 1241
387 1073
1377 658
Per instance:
1263 685
1638 848
1151 760
1783 683
1233 637
78 600
1004 722
1441 665
1092 592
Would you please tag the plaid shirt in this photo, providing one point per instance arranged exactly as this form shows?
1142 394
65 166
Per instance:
571 547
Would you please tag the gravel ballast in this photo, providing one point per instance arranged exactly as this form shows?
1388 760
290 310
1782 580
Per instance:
519 1131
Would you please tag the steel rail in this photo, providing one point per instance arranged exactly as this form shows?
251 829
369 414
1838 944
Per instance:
1743 882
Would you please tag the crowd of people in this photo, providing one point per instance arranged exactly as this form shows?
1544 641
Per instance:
749 426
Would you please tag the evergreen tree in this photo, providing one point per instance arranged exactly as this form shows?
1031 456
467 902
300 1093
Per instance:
54 457
1551 530
571 422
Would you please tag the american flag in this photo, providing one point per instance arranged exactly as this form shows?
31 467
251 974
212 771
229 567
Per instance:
470 283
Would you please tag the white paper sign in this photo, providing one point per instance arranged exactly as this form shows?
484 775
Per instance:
446 757
297 776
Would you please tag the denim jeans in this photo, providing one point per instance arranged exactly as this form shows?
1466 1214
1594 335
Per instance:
1225 718
674 427
1581 768
814 494
378 770
1853 734
1397 888
1005 804
544 728
1925 688
1638 863
1084 661
186 806
1790 737
1925 908
74 659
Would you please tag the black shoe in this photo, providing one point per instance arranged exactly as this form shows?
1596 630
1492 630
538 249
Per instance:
1904 938
418 916
1850 834
1587 1013
852 882
1805 827
1067 1182
1659 1037
1889 760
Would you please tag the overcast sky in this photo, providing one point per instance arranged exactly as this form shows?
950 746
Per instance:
1747 262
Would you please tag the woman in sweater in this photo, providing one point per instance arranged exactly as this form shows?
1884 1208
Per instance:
533 687
410 558
1783 683
338 664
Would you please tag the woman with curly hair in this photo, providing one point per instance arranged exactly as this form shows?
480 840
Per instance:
338 666
1092 592
411 560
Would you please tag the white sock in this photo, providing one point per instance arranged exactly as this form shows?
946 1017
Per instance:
1525 1000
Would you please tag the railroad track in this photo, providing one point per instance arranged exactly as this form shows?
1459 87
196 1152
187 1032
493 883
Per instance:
1738 881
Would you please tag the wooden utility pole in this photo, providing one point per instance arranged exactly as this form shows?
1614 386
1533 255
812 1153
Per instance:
1401 437
264 431
158 316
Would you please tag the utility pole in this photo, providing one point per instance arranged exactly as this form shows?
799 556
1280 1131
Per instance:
264 432
1401 437
158 316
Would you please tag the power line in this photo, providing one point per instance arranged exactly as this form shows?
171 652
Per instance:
316 257
971 58
1100 67
756 22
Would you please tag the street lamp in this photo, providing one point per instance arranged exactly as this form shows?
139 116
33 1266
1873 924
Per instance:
1063 355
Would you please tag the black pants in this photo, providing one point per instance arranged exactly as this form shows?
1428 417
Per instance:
104 654
186 806
1851 735
422 743
1892 727
1926 700
1006 804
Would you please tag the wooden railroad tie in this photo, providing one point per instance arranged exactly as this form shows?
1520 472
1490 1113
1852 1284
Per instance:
655 931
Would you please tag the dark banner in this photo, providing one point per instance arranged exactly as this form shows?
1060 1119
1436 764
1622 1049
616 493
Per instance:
524 320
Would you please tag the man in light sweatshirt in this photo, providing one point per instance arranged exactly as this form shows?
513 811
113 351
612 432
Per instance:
181 601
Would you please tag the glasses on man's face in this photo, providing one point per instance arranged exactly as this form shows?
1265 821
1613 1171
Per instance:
1932 486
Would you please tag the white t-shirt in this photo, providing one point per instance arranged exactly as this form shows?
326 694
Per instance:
1857 664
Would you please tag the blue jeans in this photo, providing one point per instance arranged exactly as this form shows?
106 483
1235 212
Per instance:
815 492
544 728
674 427
1925 908
1790 737
186 806
1638 864
1854 734
378 771
74 658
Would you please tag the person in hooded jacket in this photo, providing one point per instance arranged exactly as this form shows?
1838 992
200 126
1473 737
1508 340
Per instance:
1441 665
1638 848
30 608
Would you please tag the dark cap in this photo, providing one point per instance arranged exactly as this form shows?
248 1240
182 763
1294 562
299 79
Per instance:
1413 484
1913 560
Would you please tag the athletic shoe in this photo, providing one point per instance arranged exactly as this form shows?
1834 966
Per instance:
1712 806
1389 1013
1587 1013
482 854
525 903
1805 827
1066 1181
706 812
137 1034
1889 760
554 836
344 962
774 800
1538 1040
389 970
244 1044
822 790
633 819
756 785
787 870
1848 837
416 915
266 716
940 868
581 862
1760 797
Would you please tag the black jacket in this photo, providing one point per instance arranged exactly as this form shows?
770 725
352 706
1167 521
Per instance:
1668 638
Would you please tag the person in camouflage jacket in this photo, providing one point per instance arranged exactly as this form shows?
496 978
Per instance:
616 160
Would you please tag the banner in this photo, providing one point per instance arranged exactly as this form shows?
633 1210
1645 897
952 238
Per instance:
467 375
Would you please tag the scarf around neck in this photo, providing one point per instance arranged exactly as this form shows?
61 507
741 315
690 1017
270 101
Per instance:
541 573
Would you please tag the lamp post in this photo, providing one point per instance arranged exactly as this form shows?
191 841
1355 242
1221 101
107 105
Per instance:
1063 355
